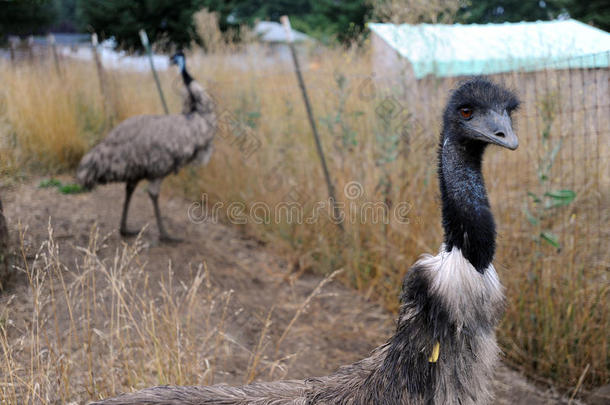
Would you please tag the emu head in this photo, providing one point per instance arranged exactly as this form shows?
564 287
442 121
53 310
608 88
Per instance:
480 111
179 60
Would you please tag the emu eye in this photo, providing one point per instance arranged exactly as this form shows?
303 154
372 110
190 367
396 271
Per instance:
466 112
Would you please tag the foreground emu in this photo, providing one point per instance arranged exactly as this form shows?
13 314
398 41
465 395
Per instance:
152 146
444 348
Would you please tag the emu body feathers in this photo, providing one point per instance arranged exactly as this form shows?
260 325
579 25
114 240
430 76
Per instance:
153 146
147 147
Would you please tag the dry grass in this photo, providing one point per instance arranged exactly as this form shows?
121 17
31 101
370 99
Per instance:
46 141
557 320
99 327
122 331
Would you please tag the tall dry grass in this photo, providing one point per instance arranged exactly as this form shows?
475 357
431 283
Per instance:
100 326
557 320
50 120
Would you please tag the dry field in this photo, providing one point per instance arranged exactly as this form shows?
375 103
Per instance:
90 314
551 197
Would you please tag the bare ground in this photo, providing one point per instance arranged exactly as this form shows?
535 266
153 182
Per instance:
338 327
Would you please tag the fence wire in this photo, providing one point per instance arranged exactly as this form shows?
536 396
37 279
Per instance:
557 185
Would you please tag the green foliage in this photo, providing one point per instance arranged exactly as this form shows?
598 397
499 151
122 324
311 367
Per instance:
343 20
543 205
25 17
248 112
325 20
47 183
69 188
66 19
339 122
168 23
414 11
497 11
596 12
559 198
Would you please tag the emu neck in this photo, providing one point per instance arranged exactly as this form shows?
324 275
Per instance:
186 77
467 217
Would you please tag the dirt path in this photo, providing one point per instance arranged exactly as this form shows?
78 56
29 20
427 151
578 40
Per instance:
338 327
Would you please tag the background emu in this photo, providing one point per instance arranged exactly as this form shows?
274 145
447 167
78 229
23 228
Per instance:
152 146
444 348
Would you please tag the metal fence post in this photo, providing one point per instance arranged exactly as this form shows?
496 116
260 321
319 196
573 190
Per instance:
13 43
331 189
146 44
101 76
53 45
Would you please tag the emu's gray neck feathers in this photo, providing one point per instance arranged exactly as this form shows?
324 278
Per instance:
197 100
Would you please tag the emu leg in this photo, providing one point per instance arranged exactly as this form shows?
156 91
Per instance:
153 191
124 231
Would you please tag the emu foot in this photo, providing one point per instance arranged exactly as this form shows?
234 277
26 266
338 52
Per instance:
165 238
129 232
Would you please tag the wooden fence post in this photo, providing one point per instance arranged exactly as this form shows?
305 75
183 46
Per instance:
102 77
331 189
53 45
13 43
30 44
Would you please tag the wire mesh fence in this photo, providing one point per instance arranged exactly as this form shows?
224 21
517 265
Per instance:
380 130
554 189
551 197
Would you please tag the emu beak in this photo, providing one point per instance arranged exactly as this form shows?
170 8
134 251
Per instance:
497 129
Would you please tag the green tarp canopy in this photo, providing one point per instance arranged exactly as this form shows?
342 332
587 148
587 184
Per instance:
465 50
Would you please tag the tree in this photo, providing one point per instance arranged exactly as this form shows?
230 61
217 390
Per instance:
595 12
323 19
497 11
168 23
414 11
330 19
66 19
26 17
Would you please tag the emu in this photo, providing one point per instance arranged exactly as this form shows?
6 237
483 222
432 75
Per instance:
152 146
444 348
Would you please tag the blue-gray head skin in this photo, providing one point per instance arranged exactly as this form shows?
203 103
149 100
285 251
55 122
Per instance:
477 114
179 60
480 110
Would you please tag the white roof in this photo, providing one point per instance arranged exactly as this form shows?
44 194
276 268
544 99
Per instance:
452 50
270 31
